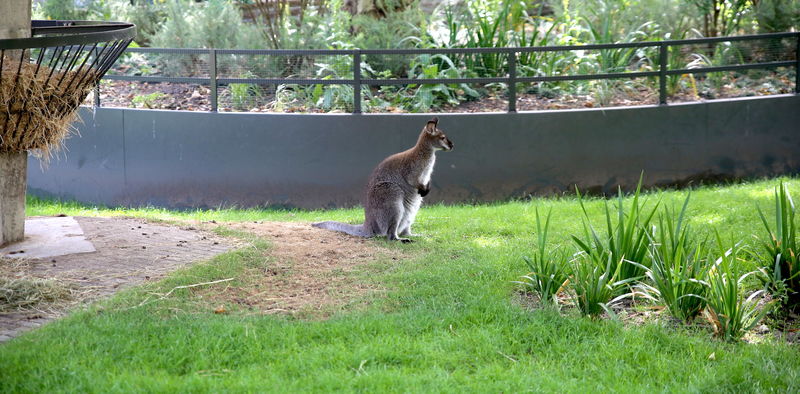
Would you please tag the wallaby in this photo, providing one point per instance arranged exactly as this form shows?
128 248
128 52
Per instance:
396 187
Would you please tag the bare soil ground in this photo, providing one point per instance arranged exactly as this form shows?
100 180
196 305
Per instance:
312 272
309 271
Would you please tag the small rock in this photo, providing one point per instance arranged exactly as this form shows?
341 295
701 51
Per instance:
144 247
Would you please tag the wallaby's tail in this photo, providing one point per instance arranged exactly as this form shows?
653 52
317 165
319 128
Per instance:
357 230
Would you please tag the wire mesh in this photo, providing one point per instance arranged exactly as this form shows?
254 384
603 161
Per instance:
693 76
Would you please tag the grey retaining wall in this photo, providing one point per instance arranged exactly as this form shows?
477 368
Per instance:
195 159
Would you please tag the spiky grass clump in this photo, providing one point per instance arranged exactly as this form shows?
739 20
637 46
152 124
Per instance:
549 269
37 105
679 269
729 309
595 280
626 239
781 252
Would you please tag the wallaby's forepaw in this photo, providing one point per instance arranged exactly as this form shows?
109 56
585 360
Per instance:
423 190
405 240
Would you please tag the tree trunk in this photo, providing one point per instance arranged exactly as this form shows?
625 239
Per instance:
15 22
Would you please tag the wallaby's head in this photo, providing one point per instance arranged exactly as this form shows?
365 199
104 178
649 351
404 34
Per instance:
435 138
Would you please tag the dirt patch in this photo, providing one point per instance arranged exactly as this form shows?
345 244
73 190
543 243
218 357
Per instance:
311 271
129 252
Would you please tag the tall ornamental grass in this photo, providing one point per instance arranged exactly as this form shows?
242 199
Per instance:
780 261
730 309
678 273
626 235
549 269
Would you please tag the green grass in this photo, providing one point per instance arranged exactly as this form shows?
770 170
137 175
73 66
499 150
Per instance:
448 321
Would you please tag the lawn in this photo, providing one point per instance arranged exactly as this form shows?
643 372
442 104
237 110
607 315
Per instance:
450 318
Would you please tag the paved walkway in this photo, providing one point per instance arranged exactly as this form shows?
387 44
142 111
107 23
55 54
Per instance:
128 252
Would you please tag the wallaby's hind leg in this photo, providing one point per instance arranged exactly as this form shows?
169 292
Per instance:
393 224
411 209
389 211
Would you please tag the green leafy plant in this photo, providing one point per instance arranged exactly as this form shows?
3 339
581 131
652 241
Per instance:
148 101
729 309
679 266
780 259
626 237
243 94
549 272
422 97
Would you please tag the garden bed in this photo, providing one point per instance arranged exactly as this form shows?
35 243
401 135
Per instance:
193 97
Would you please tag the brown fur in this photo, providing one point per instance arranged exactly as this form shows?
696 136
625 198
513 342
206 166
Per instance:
396 188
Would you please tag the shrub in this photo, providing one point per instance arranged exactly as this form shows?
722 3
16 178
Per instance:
212 24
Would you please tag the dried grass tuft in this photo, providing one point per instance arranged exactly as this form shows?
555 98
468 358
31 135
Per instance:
37 106
22 293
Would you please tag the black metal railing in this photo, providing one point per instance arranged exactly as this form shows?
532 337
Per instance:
512 77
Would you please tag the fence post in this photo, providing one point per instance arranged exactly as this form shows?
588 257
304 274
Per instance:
212 70
357 81
662 74
797 66
512 81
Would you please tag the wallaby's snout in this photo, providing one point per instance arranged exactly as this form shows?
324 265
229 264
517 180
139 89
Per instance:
448 145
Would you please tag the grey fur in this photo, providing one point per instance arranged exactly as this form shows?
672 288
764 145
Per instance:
396 187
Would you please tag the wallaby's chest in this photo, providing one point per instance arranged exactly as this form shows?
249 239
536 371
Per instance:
427 171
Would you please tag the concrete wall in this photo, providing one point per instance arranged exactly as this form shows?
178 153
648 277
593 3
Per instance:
192 159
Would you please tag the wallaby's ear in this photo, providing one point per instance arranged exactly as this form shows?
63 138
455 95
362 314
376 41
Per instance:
431 126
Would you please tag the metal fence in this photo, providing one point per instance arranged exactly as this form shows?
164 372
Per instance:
765 51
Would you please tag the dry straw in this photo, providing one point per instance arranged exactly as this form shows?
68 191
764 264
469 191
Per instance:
37 105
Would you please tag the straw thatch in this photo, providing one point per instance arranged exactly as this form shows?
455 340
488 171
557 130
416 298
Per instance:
38 105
